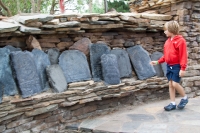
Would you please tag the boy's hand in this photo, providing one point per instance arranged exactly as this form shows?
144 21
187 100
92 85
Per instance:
154 62
181 73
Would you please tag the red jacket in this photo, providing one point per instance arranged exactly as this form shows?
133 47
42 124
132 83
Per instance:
175 52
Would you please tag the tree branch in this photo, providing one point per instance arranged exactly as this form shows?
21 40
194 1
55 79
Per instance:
5 8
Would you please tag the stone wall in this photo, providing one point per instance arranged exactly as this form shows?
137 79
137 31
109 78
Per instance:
54 112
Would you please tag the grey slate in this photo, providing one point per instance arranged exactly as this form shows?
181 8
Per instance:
26 72
110 69
141 62
56 78
160 68
7 84
74 65
12 49
42 61
53 54
96 51
123 61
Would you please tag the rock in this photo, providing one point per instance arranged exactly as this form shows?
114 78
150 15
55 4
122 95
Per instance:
41 61
56 78
32 43
53 54
160 69
7 84
82 45
110 69
26 72
96 51
125 68
8 27
140 60
75 66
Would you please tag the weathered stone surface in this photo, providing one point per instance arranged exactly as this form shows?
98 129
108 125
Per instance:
96 51
19 122
12 49
53 54
160 68
140 60
32 42
75 66
41 110
110 69
27 76
123 61
7 83
82 45
56 78
8 27
41 61
63 25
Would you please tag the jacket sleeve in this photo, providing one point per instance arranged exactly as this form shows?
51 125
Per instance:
183 54
161 60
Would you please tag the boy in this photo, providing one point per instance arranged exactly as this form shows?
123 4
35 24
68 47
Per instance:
175 55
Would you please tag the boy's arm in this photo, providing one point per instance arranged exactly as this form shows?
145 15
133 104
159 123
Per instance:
161 60
183 55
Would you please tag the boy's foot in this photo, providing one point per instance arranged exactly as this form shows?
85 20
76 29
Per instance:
182 103
170 107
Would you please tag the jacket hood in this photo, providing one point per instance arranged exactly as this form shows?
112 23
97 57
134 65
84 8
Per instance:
177 37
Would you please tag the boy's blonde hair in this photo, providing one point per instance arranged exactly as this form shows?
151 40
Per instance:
172 26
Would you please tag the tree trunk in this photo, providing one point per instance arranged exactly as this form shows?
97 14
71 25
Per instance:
105 6
5 8
39 5
52 7
33 6
18 7
90 6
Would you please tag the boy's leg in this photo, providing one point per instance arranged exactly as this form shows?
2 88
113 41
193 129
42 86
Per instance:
172 105
171 91
181 91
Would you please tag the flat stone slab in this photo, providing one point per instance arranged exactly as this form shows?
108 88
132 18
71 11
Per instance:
56 78
140 60
75 66
8 27
42 61
53 54
110 69
96 51
7 84
26 73
160 69
124 64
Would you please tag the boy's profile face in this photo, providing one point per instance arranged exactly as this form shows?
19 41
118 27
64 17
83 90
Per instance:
168 34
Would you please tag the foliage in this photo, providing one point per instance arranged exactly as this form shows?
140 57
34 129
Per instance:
119 5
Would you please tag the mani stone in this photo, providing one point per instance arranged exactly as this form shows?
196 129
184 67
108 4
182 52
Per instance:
161 68
53 54
7 84
96 51
75 66
12 49
56 78
41 61
141 62
110 69
26 72
124 64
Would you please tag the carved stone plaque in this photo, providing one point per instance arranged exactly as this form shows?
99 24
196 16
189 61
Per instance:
96 51
125 68
74 65
160 69
56 78
7 84
140 60
26 71
110 69
53 54
41 61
